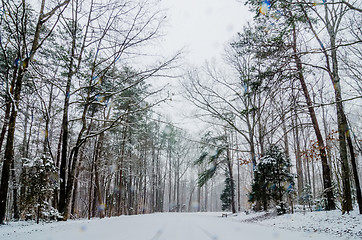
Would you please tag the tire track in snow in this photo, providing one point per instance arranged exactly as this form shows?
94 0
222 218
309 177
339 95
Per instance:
208 234
158 234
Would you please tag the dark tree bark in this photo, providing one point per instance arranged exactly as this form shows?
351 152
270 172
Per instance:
355 172
6 121
65 131
98 152
9 149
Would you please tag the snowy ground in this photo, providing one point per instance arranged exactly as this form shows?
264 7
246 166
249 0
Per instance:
193 226
347 226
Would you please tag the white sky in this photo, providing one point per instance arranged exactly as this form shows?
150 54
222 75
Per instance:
202 28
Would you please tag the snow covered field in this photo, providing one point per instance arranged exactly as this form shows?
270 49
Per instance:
179 226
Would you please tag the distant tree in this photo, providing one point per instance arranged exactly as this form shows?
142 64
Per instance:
226 196
307 198
216 153
271 179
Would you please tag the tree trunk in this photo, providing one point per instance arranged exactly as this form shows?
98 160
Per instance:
73 163
153 177
252 146
6 121
169 177
161 184
90 191
327 181
198 198
99 191
56 192
75 189
298 154
15 192
64 154
230 169
238 164
9 149
205 196
342 128
74 195
64 128
120 185
355 172
178 186
47 122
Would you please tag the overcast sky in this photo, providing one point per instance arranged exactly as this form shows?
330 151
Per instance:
202 28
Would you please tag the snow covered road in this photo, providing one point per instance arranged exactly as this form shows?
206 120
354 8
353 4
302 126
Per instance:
162 226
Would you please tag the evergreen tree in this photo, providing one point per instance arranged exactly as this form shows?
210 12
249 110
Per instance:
213 153
271 179
216 153
226 196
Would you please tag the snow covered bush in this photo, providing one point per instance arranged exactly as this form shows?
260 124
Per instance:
39 178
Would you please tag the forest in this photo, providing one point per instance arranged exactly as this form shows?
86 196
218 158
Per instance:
81 137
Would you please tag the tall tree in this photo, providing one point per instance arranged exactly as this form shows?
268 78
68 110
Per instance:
332 19
24 56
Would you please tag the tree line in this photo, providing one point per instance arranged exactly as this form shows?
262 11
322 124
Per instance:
292 87
79 137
